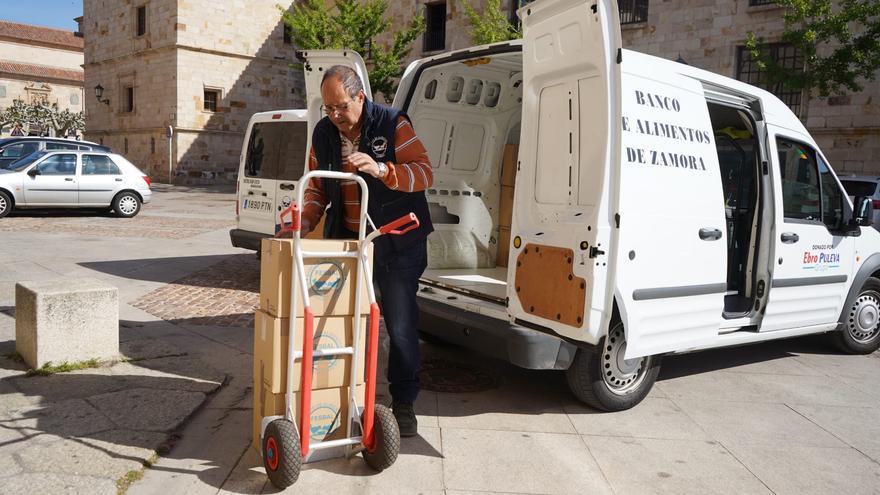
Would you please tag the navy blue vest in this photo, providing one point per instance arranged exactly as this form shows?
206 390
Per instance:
377 140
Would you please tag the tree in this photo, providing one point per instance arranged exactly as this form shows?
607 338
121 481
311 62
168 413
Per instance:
28 116
491 25
840 45
355 25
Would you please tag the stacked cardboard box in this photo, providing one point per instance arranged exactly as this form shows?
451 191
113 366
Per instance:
505 215
331 286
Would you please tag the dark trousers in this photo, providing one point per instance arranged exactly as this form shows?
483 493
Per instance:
397 280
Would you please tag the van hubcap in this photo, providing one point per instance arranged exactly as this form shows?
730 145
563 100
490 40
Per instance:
864 317
128 205
621 375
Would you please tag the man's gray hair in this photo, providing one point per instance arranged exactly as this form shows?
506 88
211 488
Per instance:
349 78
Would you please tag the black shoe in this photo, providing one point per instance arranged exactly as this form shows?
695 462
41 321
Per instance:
406 418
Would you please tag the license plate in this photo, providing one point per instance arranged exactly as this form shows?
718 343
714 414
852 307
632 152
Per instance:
257 205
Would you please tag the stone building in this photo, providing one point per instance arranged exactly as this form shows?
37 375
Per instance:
197 67
709 34
40 65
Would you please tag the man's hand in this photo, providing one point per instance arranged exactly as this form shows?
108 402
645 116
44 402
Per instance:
305 228
364 163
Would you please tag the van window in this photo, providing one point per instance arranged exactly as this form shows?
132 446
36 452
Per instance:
809 189
293 150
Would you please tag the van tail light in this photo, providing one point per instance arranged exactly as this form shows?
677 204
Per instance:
236 198
875 203
147 180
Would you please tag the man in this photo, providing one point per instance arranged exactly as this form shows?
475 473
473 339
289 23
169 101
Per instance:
380 144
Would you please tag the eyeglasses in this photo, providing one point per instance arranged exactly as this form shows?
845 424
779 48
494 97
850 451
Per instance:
329 109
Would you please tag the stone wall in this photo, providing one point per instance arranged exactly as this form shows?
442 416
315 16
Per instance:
41 55
66 95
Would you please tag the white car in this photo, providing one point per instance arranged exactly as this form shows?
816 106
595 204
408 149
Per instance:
74 179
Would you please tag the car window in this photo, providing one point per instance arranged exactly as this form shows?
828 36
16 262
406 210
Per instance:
800 181
20 150
859 187
58 165
60 146
23 163
99 165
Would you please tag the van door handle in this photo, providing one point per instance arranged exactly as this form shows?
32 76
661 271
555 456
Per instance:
264 194
118 180
287 187
709 234
250 193
68 179
789 238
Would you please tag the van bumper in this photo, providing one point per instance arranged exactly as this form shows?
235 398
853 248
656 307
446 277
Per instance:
500 339
247 239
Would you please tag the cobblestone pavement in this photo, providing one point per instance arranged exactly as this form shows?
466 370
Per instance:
224 294
106 225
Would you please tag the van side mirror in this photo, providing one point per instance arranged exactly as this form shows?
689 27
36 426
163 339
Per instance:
864 211
34 172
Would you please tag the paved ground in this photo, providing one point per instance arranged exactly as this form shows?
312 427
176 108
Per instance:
785 417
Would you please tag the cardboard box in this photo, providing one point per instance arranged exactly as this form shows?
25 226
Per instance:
508 165
505 210
503 247
331 281
271 341
329 410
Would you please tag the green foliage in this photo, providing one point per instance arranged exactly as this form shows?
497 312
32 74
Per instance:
49 368
26 116
840 44
355 25
491 25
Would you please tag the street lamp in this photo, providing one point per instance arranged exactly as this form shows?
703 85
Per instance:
99 92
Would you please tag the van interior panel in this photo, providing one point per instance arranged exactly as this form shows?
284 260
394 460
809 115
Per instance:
467 114
546 285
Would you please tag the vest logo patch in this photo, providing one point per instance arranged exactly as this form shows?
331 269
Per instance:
379 145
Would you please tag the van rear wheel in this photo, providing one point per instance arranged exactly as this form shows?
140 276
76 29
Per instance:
603 379
861 326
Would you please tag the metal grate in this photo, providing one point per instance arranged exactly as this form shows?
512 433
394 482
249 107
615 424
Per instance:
787 56
435 27
755 3
633 11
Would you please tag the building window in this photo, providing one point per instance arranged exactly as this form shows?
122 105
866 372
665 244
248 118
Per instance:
787 56
74 99
211 98
125 145
152 145
633 11
141 15
128 99
287 37
755 3
435 27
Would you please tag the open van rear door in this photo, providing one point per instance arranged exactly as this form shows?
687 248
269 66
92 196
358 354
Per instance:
562 225
316 62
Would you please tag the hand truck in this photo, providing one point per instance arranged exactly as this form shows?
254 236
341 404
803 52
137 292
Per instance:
284 447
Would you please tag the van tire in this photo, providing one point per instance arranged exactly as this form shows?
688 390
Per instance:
861 326
590 380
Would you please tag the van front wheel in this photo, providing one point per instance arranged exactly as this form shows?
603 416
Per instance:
861 325
603 379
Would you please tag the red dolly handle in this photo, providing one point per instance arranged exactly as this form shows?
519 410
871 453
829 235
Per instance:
393 228
293 211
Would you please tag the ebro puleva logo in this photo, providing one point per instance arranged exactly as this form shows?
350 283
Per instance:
820 260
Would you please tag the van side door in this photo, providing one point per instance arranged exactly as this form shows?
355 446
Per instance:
813 256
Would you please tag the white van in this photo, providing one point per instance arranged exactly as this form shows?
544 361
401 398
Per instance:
647 207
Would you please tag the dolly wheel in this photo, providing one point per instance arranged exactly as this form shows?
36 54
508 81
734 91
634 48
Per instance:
281 453
387 440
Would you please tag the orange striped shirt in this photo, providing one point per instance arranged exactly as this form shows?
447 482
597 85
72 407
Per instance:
411 173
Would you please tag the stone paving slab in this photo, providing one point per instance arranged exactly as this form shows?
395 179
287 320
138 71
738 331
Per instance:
654 418
641 465
58 483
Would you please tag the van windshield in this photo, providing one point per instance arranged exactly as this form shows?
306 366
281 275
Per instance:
277 150
22 163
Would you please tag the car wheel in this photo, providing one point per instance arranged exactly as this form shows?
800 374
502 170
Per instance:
605 380
127 204
861 327
5 204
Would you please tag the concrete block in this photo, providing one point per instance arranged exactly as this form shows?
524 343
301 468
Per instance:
66 320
